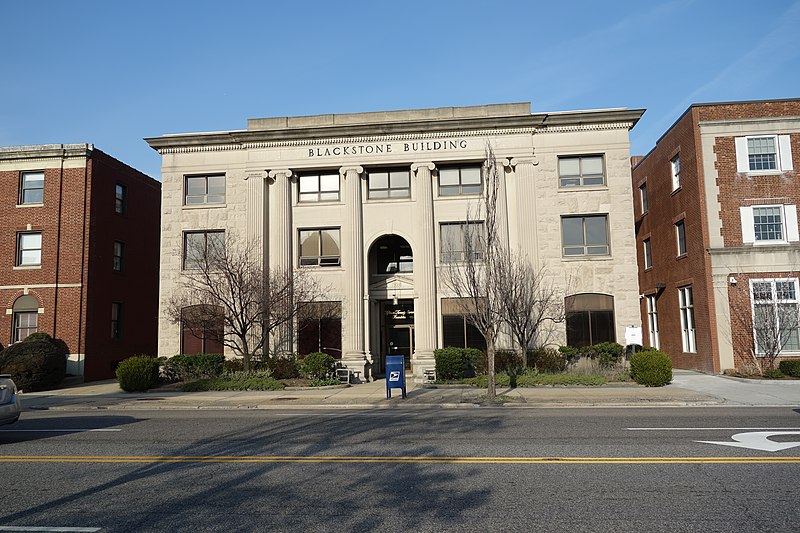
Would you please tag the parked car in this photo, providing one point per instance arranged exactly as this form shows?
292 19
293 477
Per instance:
10 404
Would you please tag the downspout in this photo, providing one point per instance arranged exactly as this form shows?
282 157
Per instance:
58 240
83 254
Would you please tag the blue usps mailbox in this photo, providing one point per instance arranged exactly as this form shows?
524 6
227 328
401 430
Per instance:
395 374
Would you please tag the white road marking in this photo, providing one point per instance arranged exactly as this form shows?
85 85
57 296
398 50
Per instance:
65 529
703 429
758 440
57 431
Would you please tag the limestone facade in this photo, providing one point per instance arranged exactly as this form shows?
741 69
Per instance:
263 165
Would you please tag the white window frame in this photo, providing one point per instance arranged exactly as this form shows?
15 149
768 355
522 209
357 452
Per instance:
310 187
206 198
643 197
471 238
648 254
783 155
581 177
652 321
675 171
319 260
23 189
774 301
688 324
789 227
586 246
20 260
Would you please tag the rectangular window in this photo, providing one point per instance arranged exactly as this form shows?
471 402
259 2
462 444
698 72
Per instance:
204 190
120 199
29 248
768 223
460 181
581 171
461 241
652 322
680 235
25 323
31 187
119 255
675 166
319 187
648 258
776 315
320 247
394 183
201 249
687 319
762 153
643 197
116 320
319 329
584 235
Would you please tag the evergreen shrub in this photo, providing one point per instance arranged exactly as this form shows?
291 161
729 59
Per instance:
318 365
194 366
651 368
790 367
138 373
34 365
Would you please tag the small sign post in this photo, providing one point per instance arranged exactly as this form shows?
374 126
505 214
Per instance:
395 375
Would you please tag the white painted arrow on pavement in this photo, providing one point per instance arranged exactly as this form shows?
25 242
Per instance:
758 440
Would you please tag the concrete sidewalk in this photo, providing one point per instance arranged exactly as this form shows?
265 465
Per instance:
687 389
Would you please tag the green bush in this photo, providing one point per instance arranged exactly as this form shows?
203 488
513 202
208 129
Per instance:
38 336
772 373
532 380
547 360
570 353
137 373
284 367
651 368
318 365
608 353
457 363
34 365
194 366
324 382
240 381
506 360
790 367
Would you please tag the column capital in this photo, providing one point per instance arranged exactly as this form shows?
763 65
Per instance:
417 166
358 169
255 174
280 172
524 160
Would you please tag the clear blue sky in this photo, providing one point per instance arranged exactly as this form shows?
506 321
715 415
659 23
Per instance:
111 73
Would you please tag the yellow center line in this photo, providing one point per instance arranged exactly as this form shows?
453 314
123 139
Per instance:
388 459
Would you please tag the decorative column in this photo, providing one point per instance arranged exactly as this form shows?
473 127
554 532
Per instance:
280 248
501 216
526 207
425 318
353 355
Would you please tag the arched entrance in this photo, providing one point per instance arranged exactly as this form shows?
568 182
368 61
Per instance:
391 289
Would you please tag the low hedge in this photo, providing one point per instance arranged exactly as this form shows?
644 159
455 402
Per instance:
548 360
228 383
138 373
193 367
651 368
532 380
790 367
456 363
284 367
318 365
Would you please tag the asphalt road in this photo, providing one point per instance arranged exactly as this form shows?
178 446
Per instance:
423 470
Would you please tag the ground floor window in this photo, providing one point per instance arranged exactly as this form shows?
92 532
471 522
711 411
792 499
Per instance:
320 329
776 315
590 319
25 316
652 322
202 329
688 335
457 331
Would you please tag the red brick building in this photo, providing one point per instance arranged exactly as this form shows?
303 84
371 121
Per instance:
717 234
79 239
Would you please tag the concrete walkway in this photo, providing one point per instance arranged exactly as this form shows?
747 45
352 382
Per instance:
688 388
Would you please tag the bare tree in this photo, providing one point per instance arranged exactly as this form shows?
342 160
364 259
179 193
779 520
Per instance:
469 272
223 283
768 311
532 305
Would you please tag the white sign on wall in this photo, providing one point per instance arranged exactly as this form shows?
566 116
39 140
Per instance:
633 335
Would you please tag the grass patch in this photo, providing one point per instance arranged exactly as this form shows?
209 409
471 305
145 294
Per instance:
227 383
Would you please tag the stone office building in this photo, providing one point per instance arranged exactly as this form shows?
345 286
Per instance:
375 203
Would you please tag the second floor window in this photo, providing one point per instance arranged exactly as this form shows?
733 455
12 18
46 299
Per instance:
119 255
29 248
460 181
680 236
768 223
462 241
643 197
31 188
202 248
580 171
648 257
686 302
323 187
584 235
204 190
120 199
675 167
320 247
116 320
394 183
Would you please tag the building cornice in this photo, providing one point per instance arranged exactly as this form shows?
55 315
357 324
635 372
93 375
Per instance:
42 152
397 131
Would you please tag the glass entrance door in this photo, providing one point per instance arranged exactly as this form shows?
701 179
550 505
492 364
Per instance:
400 341
397 331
